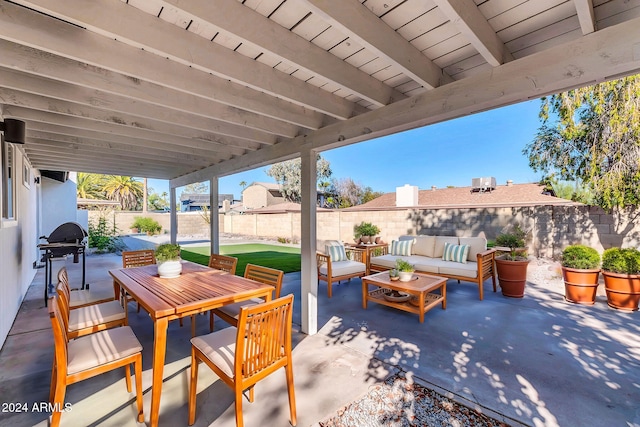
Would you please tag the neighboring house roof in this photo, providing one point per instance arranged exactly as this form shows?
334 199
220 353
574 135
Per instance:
280 208
97 202
272 186
503 195
203 198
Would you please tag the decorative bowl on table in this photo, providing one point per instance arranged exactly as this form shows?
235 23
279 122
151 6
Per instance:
396 296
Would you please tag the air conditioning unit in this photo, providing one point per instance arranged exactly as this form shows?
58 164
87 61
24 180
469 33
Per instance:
483 184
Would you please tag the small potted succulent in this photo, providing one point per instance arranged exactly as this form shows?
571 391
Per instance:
405 270
393 275
581 271
365 232
621 271
168 259
512 266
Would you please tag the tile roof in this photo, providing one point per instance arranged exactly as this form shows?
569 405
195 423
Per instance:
503 195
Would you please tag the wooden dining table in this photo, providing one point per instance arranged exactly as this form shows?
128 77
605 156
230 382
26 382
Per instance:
198 289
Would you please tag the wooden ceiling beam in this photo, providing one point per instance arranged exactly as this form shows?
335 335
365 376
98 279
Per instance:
117 20
586 15
352 18
264 34
466 16
115 67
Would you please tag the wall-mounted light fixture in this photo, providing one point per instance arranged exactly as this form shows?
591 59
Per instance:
14 130
36 180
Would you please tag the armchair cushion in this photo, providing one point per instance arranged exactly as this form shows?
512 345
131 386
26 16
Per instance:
455 253
336 251
341 268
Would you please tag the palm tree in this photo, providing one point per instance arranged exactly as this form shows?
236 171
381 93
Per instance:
90 186
124 189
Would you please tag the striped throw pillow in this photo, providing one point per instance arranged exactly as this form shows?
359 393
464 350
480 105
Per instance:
336 252
401 247
455 253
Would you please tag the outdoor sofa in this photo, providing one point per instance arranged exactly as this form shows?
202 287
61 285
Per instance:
466 258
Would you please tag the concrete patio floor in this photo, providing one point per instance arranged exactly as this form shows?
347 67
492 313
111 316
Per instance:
535 361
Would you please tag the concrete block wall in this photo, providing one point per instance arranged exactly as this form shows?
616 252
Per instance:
550 228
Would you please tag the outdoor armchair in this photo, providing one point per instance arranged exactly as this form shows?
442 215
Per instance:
340 263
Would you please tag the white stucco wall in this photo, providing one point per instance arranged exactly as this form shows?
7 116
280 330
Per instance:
18 248
61 202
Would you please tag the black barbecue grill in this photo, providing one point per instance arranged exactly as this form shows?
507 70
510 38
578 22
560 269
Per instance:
67 239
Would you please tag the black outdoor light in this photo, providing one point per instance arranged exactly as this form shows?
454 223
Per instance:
14 130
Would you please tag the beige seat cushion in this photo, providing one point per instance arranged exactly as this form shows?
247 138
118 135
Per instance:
102 347
92 296
86 317
424 245
219 347
469 269
342 268
476 245
233 310
440 241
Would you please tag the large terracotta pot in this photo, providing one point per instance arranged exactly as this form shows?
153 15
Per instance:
623 290
512 276
580 286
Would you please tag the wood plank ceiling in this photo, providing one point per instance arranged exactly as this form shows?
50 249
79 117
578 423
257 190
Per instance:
178 89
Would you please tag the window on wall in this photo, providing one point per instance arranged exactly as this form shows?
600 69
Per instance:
8 180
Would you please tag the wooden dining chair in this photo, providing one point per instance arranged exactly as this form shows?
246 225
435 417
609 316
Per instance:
132 259
85 357
269 276
242 356
84 297
89 319
223 262
219 262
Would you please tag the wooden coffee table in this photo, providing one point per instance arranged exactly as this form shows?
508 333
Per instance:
421 299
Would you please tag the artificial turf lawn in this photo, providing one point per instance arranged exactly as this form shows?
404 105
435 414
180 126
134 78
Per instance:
282 258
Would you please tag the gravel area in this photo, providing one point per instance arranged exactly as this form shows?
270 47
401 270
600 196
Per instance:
399 402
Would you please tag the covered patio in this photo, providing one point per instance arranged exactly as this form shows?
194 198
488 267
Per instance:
536 361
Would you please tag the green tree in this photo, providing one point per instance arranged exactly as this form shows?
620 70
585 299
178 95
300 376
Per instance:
594 138
90 186
124 189
157 202
288 175
196 188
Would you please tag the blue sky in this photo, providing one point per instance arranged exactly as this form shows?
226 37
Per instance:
449 153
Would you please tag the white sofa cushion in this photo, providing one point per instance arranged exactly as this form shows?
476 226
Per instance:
424 245
388 261
439 246
424 264
476 246
469 269
342 268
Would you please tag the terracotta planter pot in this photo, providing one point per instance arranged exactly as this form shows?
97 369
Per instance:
580 286
512 276
623 290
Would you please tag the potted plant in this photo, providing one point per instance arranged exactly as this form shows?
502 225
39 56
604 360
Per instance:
365 232
512 266
168 259
405 270
621 271
580 270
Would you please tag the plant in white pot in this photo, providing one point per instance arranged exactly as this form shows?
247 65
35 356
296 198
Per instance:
168 259
405 270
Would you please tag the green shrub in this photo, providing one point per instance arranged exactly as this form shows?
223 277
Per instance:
580 257
402 265
167 252
102 237
365 229
514 241
146 225
623 261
